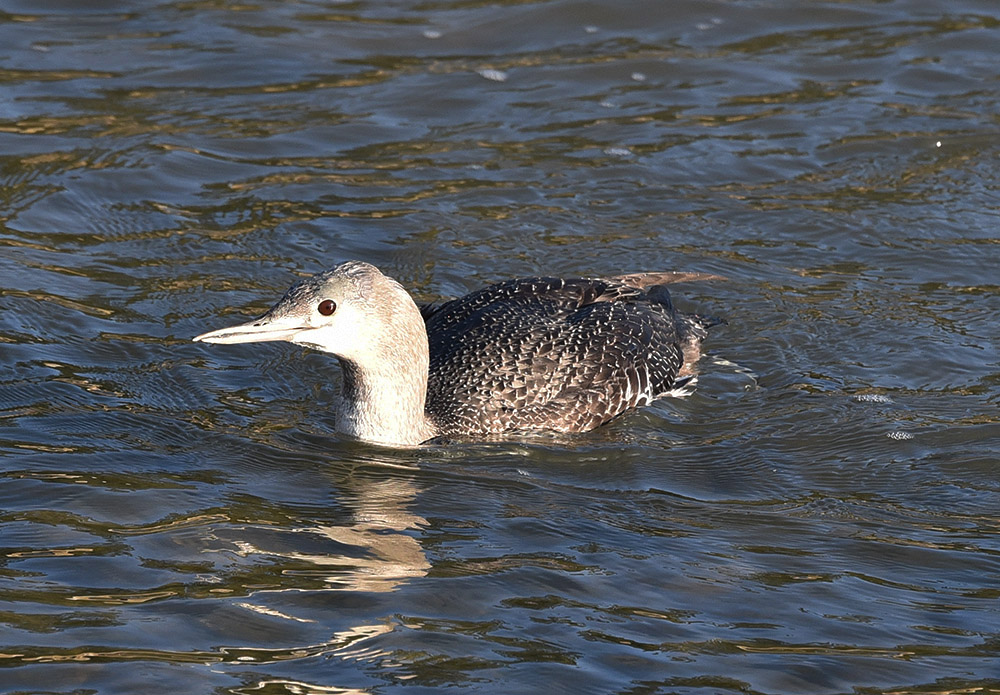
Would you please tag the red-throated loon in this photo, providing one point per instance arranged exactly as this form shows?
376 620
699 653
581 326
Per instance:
564 355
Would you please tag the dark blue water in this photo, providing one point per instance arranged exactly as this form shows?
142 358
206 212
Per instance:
820 516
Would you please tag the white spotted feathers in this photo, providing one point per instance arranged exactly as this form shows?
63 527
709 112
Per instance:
535 354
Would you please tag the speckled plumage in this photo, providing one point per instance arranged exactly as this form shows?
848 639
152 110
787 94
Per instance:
563 355
556 354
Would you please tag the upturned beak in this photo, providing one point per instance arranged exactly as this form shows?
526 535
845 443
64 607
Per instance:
259 330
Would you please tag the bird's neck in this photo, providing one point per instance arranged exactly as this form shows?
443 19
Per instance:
383 398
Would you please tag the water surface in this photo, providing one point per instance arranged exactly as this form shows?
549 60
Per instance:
820 516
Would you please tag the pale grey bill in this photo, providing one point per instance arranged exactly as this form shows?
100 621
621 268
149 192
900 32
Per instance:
256 331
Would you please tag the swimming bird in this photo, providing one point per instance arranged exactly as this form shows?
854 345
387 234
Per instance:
532 354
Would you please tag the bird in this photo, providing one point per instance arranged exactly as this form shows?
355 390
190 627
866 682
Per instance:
528 355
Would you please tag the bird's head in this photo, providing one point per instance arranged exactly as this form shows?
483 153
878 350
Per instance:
352 311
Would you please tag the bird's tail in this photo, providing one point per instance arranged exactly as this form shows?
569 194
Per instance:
693 328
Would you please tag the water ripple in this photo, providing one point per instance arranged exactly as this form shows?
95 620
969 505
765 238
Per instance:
819 515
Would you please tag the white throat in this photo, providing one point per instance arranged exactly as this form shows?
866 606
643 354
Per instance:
384 403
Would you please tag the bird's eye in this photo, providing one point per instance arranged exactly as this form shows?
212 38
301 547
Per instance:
327 307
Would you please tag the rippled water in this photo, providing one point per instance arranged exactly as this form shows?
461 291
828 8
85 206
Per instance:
820 516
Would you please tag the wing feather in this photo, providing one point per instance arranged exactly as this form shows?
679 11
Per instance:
551 353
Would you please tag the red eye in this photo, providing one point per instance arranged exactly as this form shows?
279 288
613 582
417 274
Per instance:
327 307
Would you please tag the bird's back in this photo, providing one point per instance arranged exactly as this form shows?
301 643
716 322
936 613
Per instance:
554 354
